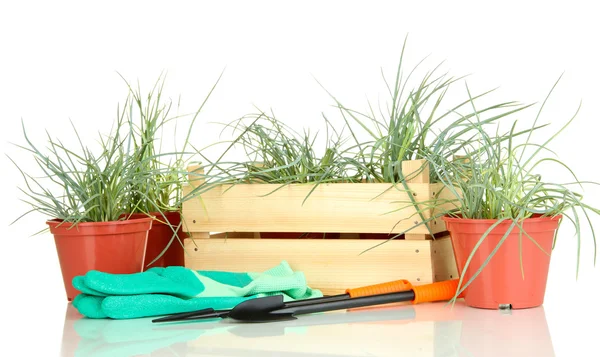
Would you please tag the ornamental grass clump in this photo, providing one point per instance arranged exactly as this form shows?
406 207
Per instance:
499 177
148 117
274 153
418 122
80 184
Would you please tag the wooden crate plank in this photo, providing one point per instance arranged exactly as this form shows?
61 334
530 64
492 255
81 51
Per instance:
413 236
334 208
445 202
200 235
234 235
416 171
442 260
329 265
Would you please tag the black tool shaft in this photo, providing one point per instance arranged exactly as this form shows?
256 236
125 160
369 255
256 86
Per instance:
204 313
347 303
210 313
312 301
214 315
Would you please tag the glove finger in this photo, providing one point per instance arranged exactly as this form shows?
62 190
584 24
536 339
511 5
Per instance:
174 280
79 284
128 307
89 306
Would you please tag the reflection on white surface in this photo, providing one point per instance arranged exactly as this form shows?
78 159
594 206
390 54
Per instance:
435 330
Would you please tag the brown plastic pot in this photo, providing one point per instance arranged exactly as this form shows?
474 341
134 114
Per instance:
159 237
501 281
116 247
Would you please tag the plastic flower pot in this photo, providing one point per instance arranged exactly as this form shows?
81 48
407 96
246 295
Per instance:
502 281
161 233
116 247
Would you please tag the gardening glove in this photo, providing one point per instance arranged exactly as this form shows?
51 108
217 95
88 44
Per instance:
162 291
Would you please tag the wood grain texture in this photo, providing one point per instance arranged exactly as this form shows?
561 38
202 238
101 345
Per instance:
331 208
200 235
411 236
329 265
442 260
416 171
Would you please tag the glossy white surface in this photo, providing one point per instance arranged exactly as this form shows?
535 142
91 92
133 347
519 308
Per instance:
433 330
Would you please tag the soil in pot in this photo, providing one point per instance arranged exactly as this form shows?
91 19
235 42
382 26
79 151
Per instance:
160 235
116 247
502 282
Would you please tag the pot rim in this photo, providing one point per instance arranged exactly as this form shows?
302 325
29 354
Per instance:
536 218
56 222
155 214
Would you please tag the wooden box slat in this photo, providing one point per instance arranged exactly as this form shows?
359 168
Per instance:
329 265
335 208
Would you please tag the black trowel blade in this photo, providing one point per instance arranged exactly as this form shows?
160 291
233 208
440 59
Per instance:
259 310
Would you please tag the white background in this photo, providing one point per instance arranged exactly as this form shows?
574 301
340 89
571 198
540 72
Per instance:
59 61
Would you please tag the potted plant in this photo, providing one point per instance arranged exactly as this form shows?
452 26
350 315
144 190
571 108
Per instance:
164 171
85 192
503 216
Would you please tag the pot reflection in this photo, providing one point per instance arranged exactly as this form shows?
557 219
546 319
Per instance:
465 331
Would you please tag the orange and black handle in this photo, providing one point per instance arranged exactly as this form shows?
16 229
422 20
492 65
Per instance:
383 288
440 291
391 292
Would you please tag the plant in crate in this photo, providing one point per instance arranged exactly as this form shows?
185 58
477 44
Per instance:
159 194
276 154
419 124
503 216
86 192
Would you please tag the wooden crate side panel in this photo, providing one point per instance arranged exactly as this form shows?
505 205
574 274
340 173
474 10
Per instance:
417 171
334 208
442 259
329 265
445 201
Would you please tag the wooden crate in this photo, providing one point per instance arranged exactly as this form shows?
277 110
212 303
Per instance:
226 221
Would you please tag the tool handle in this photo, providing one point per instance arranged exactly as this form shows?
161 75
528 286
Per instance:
378 289
362 301
441 291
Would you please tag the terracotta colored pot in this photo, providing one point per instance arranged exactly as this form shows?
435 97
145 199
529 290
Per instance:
161 233
501 281
113 247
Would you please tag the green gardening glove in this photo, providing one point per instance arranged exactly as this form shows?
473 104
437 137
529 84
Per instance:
162 291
